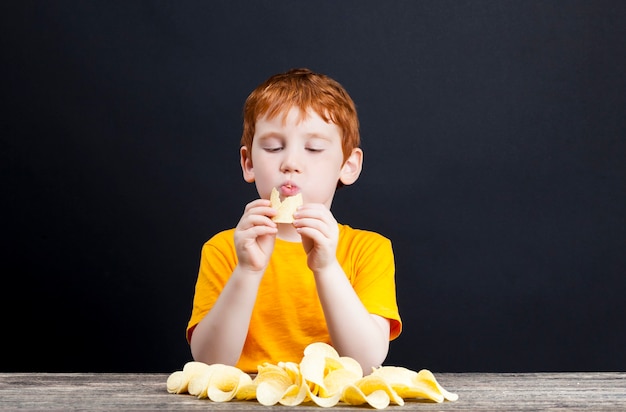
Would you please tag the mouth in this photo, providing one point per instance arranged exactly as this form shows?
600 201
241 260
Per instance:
289 189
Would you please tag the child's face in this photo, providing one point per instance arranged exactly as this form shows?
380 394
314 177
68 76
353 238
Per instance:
298 154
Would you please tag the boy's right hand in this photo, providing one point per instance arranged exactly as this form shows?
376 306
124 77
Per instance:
255 235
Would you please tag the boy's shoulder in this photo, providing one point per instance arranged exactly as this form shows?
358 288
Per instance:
347 232
223 237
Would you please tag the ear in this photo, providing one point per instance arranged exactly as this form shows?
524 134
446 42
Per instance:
352 167
246 164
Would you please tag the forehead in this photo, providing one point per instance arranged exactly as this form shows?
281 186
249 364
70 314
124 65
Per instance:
295 118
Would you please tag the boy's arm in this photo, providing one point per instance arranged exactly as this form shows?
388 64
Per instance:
353 330
219 337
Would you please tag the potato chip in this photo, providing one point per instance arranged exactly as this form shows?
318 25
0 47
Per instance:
293 370
325 373
286 208
338 379
246 392
323 401
268 368
352 365
413 385
427 376
224 382
322 377
361 390
312 368
279 380
319 359
353 395
295 395
199 383
274 374
175 382
179 382
406 383
279 383
321 348
268 393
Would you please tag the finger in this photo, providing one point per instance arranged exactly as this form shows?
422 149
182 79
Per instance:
326 228
257 203
313 235
255 220
259 207
315 211
311 223
252 232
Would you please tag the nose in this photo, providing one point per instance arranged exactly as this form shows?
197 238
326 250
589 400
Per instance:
291 162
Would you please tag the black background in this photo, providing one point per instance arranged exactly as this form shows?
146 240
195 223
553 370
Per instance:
494 140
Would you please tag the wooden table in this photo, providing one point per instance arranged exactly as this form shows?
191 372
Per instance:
477 391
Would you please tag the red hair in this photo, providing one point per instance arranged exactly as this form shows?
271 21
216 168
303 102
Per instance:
305 90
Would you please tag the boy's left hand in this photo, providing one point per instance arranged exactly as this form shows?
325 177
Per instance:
320 234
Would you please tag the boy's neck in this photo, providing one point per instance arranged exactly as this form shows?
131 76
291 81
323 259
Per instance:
288 233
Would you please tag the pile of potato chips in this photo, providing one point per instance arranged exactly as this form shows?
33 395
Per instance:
322 377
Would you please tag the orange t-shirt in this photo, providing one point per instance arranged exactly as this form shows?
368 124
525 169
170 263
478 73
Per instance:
287 315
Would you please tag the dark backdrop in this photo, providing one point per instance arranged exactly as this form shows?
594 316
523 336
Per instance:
494 139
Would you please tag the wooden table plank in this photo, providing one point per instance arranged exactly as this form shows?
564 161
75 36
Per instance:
477 391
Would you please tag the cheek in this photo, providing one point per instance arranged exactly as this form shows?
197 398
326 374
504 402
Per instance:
327 174
262 165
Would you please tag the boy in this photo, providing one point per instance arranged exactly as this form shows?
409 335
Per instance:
266 290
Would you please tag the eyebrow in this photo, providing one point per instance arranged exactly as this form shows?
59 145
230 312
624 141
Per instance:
318 136
269 135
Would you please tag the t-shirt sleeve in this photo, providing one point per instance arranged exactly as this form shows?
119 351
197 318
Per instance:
374 278
217 262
